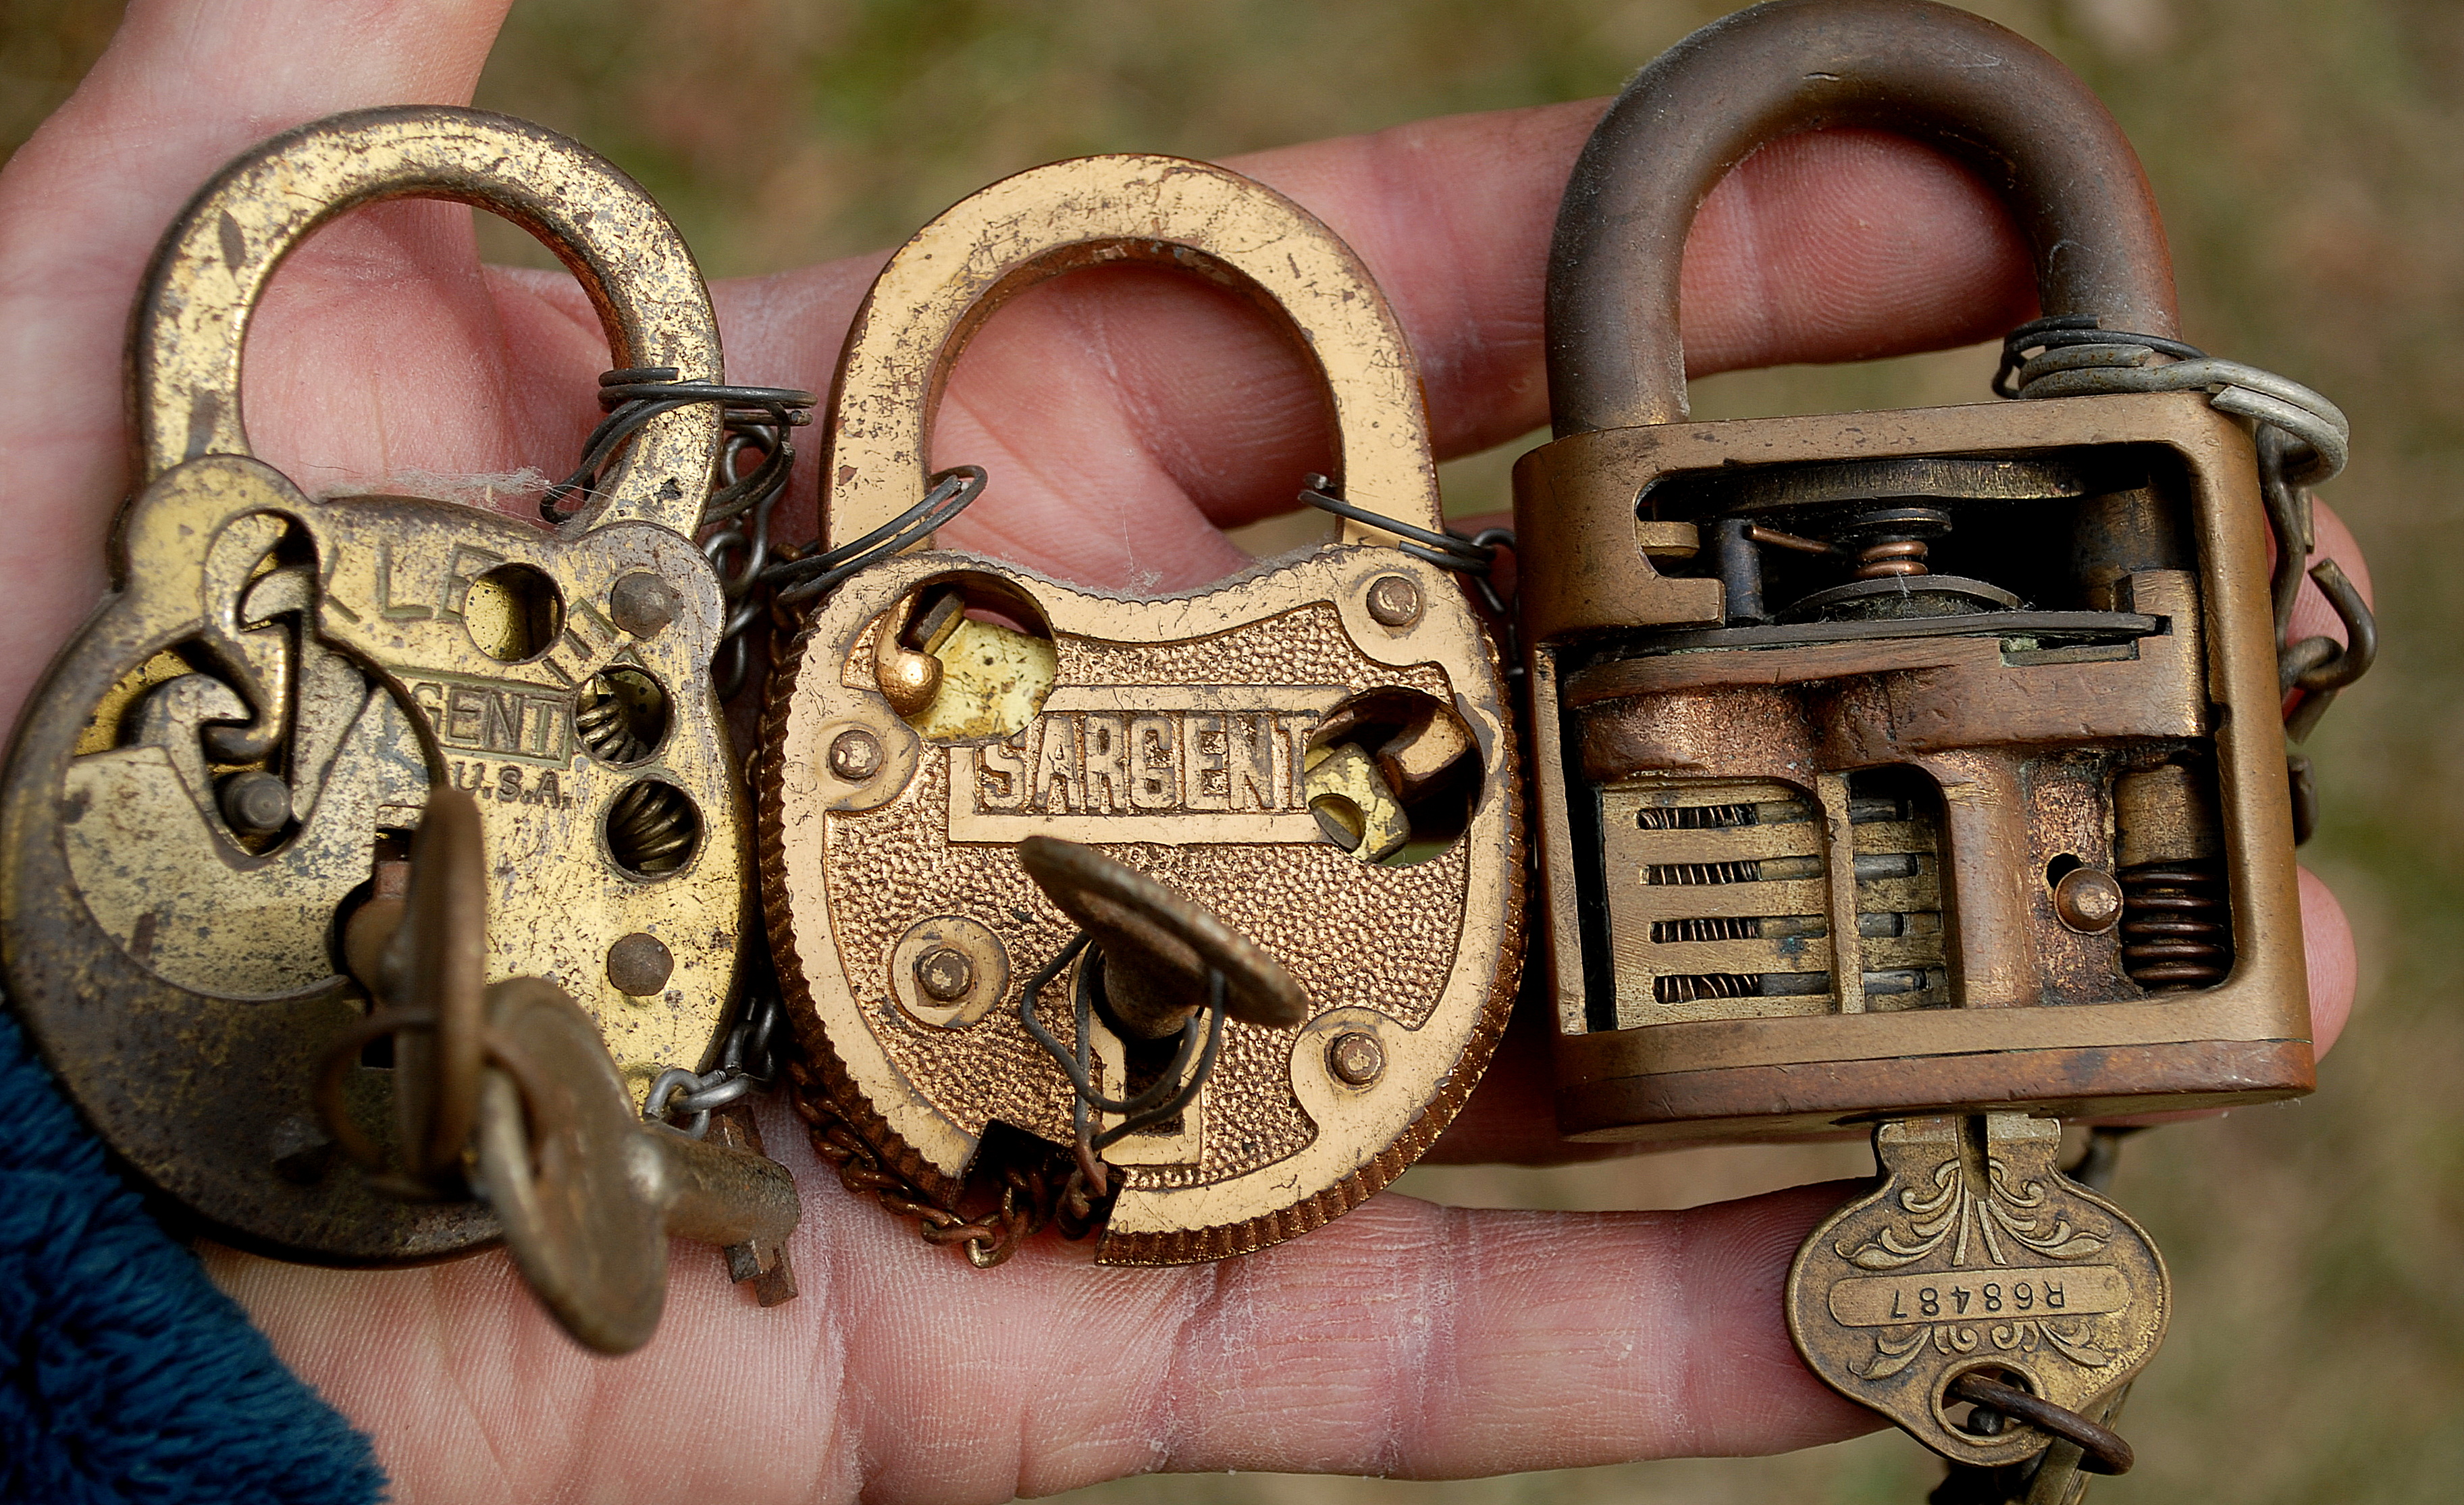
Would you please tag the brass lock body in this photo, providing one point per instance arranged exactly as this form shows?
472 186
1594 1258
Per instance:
224 767
1315 753
1909 762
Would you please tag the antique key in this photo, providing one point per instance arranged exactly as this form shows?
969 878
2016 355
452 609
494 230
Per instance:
224 766
1920 770
1295 793
511 1081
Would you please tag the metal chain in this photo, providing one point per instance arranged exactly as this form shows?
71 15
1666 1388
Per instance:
2304 441
748 1060
1033 1192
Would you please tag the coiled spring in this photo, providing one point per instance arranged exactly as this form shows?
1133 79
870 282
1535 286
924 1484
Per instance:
2175 934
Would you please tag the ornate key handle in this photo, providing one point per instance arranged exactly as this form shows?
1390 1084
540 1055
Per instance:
229 760
1315 753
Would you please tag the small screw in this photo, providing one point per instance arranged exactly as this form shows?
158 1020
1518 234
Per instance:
638 965
1356 1058
1394 600
642 603
855 755
256 803
2088 900
945 973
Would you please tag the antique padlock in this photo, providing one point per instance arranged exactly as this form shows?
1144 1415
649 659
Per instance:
219 776
1919 769
1299 784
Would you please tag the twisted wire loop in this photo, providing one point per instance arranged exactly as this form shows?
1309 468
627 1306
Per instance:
735 523
1174 1089
334 1111
748 1060
1471 555
2303 440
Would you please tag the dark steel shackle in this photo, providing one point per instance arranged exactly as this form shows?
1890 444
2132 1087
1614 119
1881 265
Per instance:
1997 102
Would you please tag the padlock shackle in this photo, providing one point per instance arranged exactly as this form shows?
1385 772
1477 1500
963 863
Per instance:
190 325
2005 107
1089 211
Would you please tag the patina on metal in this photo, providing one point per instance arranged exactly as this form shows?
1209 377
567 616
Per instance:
1183 738
506 1094
1975 1268
175 935
1921 768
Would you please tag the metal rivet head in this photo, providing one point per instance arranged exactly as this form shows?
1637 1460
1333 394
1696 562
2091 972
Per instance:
642 603
1394 600
256 803
1356 1060
2088 900
945 973
638 965
855 754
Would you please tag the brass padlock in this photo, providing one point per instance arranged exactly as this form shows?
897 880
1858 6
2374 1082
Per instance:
224 767
1916 765
1300 783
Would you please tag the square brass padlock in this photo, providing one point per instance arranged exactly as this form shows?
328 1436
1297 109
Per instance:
1920 770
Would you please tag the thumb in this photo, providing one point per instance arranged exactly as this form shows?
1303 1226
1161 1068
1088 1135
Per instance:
181 89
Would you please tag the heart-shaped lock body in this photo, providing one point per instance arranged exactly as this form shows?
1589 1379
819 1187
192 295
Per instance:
1315 753
228 759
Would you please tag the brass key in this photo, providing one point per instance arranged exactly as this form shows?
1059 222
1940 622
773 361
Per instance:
545 1131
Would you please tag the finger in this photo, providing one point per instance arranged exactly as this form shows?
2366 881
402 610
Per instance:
1403 1339
2335 972
1119 412
181 90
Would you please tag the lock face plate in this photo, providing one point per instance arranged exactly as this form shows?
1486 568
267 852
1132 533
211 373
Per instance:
1176 737
1720 804
184 974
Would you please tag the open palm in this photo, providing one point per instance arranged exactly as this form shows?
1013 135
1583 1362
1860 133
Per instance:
1126 420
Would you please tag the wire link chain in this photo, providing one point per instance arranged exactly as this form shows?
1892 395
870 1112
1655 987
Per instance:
2304 441
1034 1192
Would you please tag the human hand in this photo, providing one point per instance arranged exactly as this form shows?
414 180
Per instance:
1402 1339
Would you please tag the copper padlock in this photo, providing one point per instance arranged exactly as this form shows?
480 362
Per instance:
1922 765
1302 777
226 764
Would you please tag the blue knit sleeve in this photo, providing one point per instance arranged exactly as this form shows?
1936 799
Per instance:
128 1376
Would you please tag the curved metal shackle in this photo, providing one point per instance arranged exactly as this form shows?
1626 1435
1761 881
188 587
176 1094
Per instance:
1090 212
213 263
1990 98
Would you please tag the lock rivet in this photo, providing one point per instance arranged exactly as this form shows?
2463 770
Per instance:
638 965
642 603
945 973
1394 600
2088 900
855 754
256 803
1356 1058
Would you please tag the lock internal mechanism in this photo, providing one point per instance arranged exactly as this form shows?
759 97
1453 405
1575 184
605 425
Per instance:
1309 764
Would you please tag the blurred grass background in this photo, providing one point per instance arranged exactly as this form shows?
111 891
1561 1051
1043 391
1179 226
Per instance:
2310 158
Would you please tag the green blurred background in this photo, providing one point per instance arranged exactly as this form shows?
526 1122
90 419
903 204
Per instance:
2309 155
